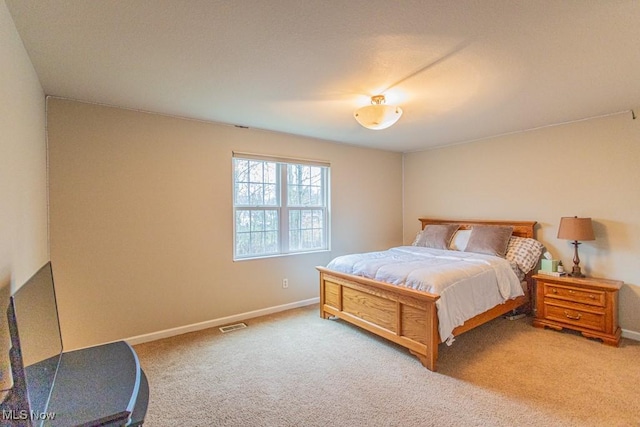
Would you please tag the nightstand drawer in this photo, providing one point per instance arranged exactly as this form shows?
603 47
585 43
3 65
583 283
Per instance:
584 296
583 318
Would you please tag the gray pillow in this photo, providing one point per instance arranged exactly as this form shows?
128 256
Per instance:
437 236
489 239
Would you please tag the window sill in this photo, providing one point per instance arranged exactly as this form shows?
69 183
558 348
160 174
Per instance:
280 255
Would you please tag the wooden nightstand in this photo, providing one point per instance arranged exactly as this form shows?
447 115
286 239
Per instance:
588 305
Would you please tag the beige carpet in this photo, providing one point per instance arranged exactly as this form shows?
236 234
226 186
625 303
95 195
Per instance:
295 369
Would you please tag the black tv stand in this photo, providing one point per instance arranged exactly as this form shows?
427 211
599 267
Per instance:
96 386
101 385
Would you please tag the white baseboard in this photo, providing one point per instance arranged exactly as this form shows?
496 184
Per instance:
632 335
139 339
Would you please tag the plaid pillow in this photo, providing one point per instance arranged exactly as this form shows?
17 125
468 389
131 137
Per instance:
524 252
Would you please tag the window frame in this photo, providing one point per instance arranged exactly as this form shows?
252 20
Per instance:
282 206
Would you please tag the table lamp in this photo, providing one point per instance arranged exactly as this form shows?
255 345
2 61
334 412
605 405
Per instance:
576 229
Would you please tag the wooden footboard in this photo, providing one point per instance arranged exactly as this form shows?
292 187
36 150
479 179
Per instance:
401 315
404 316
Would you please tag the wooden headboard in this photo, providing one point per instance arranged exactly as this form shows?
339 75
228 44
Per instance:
520 228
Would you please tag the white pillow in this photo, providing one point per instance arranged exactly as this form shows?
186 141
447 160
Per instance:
417 239
460 240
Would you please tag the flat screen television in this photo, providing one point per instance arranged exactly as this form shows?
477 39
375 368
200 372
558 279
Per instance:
35 350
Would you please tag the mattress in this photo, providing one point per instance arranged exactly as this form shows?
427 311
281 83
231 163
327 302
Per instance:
468 283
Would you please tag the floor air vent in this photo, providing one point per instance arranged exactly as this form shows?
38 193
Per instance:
231 328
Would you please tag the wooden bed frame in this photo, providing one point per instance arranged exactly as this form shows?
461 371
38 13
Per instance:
402 315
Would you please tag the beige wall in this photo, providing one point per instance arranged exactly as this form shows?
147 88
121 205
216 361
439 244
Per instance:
589 168
141 220
23 184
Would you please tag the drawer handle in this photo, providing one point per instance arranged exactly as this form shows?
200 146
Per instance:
571 291
592 296
554 290
576 317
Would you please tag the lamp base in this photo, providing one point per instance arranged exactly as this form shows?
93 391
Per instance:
576 261
576 272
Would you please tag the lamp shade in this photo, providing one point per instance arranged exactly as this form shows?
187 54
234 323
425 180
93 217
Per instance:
574 228
377 116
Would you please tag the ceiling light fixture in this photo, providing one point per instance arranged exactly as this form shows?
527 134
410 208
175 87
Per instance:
378 116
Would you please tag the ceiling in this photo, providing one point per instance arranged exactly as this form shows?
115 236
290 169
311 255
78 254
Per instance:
461 71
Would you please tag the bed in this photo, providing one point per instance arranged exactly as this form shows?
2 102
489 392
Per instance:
407 316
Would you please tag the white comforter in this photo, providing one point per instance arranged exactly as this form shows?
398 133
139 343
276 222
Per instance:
468 283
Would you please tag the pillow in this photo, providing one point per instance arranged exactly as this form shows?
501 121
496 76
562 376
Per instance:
417 239
489 239
437 236
524 252
459 240
514 266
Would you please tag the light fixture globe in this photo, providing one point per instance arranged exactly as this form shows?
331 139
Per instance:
378 116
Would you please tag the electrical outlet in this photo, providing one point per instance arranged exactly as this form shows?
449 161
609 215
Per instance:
285 283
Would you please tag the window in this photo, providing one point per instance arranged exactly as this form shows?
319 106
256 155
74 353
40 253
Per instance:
280 206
